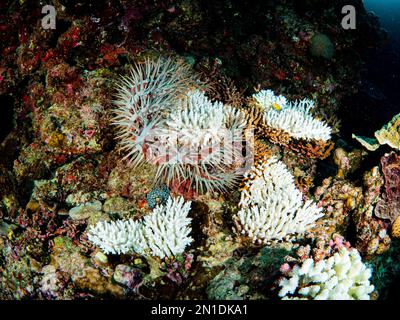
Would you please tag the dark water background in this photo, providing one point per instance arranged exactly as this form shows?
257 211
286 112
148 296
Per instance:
389 15
382 73
388 12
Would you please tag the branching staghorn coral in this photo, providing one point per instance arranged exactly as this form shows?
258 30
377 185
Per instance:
294 118
343 276
162 233
271 206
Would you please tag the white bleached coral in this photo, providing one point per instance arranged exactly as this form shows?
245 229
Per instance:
265 179
198 120
163 233
202 139
295 118
166 230
267 100
117 237
272 208
342 276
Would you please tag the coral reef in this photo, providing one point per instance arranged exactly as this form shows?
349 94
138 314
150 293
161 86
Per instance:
91 205
371 233
250 277
388 207
339 200
396 228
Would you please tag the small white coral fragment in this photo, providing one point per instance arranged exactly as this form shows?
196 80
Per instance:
342 276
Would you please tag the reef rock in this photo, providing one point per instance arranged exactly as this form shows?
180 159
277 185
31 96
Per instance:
85 211
67 258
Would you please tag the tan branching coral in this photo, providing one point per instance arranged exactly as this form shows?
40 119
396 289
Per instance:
224 89
261 151
315 149
253 114
254 119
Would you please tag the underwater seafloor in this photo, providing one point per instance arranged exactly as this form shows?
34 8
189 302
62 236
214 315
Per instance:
318 217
